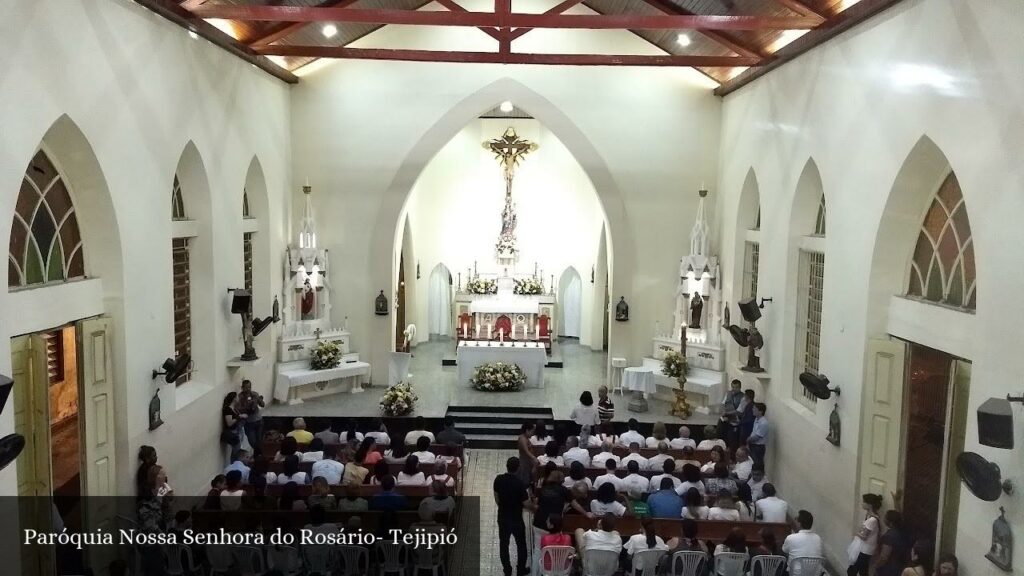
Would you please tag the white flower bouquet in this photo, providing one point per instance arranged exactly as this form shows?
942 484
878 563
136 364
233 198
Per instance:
398 400
482 286
325 355
529 285
673 364
498 377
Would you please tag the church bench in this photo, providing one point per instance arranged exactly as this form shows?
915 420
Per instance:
702 456
270 448
708 530
339 491
268 520
593 473
427 469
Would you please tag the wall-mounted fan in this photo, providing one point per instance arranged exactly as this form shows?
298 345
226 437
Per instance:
982 477
12 444
818 385
173 368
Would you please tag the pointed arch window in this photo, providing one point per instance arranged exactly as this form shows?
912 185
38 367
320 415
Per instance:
46 244
819 221
177 204
245 205
942 268
181 278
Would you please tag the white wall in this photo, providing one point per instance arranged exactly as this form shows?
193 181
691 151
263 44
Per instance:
646 138
455 210
134 90
945 69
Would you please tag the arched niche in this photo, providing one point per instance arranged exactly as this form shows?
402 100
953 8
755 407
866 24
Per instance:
570 304
439 301
257 224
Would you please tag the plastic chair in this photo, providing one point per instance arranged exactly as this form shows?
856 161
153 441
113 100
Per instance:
645 562
318 559
173 564
806 566
392 558
219 558
134 559
424 559
730 563
558 560
284 559
765 565
688 563
355 560
600 563
250 561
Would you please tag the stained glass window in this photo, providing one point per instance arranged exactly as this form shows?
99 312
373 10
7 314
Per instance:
177 204
819 222
942 268
46 245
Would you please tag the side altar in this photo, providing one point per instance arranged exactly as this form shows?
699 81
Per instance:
307 321
504 314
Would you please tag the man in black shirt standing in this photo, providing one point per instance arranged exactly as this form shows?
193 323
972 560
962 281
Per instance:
510 496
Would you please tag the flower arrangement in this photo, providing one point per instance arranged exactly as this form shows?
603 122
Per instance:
482 286
673 365
325 355
529 285
398 400
498 377
506 246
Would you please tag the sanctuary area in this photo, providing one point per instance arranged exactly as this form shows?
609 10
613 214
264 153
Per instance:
546 288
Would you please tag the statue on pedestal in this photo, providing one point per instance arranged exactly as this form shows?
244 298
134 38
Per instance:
696 308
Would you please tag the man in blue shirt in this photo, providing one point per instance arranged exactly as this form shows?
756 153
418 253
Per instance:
243 460
387 499
665 503
758 435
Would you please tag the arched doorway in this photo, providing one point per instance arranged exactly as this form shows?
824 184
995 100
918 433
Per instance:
570 299
439 302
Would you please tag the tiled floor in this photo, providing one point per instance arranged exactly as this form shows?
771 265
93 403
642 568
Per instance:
437 389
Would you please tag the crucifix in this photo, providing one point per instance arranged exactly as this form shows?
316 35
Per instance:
509 150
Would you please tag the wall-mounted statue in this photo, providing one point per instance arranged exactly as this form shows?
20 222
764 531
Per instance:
622 310
380 306
1001 551
696 308
834 426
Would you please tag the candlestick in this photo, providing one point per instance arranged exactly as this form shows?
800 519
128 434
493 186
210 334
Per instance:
682 344
474 267
307 180
458 287
552 285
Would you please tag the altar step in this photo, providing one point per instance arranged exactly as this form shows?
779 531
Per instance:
554 360
495 427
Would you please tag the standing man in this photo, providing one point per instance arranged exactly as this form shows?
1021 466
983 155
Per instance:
249 403
605 407
729 421
758 435
746 413
510 496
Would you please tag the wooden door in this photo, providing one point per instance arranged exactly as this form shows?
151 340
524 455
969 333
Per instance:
956 429
882 417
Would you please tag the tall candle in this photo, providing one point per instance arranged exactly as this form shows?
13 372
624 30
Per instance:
464 330
536 328
682 344
501 334
488 331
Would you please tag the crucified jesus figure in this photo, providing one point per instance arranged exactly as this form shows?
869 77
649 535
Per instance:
509 150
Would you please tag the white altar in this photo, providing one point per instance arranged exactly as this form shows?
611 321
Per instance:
482 316
529 356
297 381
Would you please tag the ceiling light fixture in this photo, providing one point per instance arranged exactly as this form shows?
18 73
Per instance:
507 106
683 40
329 30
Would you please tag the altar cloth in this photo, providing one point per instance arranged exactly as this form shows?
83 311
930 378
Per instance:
294 374
530 356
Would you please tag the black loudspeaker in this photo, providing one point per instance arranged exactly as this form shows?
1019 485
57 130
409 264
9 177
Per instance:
995 423
750 310
240 301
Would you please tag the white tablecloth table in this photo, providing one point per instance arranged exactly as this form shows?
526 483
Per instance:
294 374
638 379
530 358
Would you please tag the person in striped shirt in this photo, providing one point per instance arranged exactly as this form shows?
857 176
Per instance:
605 408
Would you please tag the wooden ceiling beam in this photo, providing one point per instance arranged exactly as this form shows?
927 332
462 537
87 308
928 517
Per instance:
453 6
556 9
495 20
802 8
734 44
285 29
500 58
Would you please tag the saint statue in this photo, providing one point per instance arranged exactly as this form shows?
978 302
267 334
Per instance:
308 303
508 220
834 426
622 310
380 304
696 307
1001 551
154 411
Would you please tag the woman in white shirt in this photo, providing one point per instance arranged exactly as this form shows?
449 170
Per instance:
379 433
744 504
866 539
646 540
441 475
683 440
350 434
711 439
551 455
607 434
423 453
577 473
410 474
291 472
717 455
694 508
691 479
231 496
658 435
724 508
540 435
735 543
605 502
315 452
585 413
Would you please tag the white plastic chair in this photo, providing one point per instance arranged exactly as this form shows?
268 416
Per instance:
134 559
284 559
730 563
688 563
317 559
173 564
393 558
645 562
355 560
424 559
219 558
600 563
250 561
558 559
806 566
765 565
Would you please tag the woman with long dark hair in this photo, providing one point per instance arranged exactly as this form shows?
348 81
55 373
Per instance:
231 422
578 473
647 539
920 559
351 433
735 542
147 459
527 461
585 413
862 548
380 471
540 434
411 474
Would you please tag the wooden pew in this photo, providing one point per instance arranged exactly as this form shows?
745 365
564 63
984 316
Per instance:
269 449
268 520
709 530
593 473
702 456
307 467
365 490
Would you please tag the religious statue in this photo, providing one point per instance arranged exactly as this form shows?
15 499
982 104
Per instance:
508 221
1001 551
307 305
696 308
154 411
380 306
834 426
509 150
622 310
